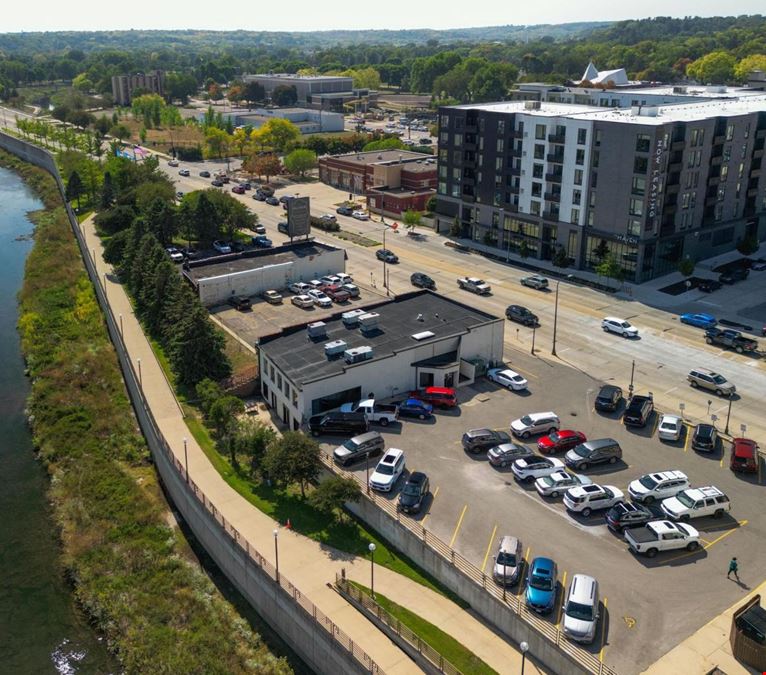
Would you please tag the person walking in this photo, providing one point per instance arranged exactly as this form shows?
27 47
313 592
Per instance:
733 567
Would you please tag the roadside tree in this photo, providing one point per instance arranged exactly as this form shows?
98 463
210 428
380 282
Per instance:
300 160
331 494
293 458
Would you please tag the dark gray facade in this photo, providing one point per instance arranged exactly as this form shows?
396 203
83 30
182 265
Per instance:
650 186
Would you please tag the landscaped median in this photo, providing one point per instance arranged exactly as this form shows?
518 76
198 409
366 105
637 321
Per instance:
130 570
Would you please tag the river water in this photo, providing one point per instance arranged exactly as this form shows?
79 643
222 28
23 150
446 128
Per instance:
41 628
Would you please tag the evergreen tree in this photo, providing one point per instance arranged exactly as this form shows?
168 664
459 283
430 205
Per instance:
205 220
107 191
162 220
197 349
74 188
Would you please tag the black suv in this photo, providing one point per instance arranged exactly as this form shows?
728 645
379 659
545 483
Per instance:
599 451
638 412
734 275
413 493
240 302
625 515
477 440
344 210
521 315
705 438
339 424
608 398
423 281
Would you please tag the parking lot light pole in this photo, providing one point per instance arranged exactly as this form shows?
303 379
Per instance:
533 339
140 379
556 315
186 460
372 548
524 647
367 471
276 551
632 372
728 415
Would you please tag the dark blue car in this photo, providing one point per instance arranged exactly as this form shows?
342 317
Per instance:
412 407
699 320
261 241
541 585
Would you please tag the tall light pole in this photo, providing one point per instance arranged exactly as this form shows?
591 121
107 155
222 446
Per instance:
276 551
556 315
632 373
140 379
186 460
534 327
372 548
728 415
524 647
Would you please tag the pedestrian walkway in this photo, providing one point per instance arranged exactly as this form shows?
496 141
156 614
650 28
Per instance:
308 564
707 649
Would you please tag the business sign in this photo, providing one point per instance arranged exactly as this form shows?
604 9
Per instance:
298 217
655 183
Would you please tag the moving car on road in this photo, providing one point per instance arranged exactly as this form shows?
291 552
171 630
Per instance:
386 256
699 320
534 281
422 280
521 315
712 381
183 172
344 210
360 215
612 324
507 378
474 285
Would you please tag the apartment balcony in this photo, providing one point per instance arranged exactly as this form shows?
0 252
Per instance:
557 138
757 154
551 215
713 181
513 133
671 189
552 196
711 201
514 171
674 167
755 173
716 161
557 158
752 192
678 145
719 140
669 209
554 177
761 133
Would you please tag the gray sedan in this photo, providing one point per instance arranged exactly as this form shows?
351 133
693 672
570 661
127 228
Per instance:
559 482
507 453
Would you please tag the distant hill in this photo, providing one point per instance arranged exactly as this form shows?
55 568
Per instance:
87 41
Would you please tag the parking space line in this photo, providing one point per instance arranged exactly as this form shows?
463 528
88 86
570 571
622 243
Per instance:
457 527
708 545
433 499
603 634
560 611
489 546
526 556
688 438
655 425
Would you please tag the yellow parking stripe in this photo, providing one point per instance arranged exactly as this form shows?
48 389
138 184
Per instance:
526 557
457 527
563 593
603 634
688 438
489 546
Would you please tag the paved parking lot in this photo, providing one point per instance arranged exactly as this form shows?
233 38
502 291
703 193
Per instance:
648 605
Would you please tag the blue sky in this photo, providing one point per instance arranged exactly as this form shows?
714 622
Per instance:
304 15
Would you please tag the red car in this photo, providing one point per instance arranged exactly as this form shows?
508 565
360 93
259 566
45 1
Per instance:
744 456
238 189
558 441
438 397
336 292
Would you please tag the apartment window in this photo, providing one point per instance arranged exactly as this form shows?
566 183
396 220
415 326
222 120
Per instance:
702 137
456 189
724 172
540 132
443 138
729 132
442 187
444 121
578 177
721 193
495 219
458 140
534 208
739 189
640 164
500 145
481 143
718 215
582 136
498 163
597 141
689 177
643 142
572 245
596 158
498 180
295 397
537 171
592 199
501 127
537 189
694 136
481 125
442 171
575 216
457 173
591 218
639 186
693 200
279 381
539 151
634 227
740 170
636 207
727 153
685 200
594 179
580 157
747 130
576 197
458 123
457 157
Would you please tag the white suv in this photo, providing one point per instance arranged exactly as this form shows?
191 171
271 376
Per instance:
695 503
588 498
611 324
530 468
535 423
660 485
388 470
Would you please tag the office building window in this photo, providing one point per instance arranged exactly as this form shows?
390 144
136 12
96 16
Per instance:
540 132
576 197
580 157
500 145
539 151
634 227
442 187
636 207
578 177
572 245
639 186
685 200
501 127
724 173
643 142
729 132
582 136
537 171
575 216
534 208
640 164
727 153
537 189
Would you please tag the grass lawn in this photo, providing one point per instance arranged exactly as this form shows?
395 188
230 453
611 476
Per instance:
460 657
160 139
355 238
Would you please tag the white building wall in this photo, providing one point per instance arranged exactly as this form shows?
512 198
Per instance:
567 182
486 342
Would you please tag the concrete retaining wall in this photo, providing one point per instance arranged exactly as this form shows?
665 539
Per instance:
294 618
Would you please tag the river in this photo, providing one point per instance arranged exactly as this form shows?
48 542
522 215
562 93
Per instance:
41 627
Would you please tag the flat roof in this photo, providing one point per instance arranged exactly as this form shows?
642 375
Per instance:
303 78
382 157
230 263
303 360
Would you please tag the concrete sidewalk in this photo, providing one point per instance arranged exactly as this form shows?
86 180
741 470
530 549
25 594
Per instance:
306 563
708 648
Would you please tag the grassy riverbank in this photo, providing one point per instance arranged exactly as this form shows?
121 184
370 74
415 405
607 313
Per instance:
157 609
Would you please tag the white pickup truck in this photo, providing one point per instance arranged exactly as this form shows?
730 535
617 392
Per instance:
474 285
376 413
662 535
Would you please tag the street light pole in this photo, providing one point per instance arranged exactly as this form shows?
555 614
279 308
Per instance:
534 328
728 416
632 372
367 471
186 461
140 379
524 647
555 318
372 548
276 551
385 267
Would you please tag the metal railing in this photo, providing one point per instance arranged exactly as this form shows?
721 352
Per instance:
373 609
551 632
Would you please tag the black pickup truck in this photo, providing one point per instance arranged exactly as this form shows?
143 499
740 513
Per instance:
732 339
638 412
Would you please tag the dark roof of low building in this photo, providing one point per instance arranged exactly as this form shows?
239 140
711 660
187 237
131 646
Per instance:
303 360
231 263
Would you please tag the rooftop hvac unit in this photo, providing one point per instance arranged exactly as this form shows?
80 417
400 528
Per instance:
318 329
334 348
531 105
357 354
679 90
368 322
351 319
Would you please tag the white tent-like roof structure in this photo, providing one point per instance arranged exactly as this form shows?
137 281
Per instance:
595 76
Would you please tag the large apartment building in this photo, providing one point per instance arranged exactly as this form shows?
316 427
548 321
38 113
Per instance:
649 184
123 86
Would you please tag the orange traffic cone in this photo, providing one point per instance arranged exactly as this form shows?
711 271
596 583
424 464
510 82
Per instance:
289 525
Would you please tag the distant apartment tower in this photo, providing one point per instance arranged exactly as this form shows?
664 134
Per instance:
123 86
650 185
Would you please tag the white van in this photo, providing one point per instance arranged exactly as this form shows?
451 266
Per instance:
581 609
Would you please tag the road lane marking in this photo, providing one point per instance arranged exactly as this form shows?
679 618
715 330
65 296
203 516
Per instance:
560 610
489 546
603 634
457 527
433 499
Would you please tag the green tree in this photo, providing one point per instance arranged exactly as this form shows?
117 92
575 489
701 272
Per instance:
263 166
107 191
713 68
162 221
610 268
217 141
431 204
117 218
332 493
251 439
686 266
300 160
747 65
524 249
197 349
601 251
748 245
208 392
114 248
253 92
74 188
205 219
284 95
293 458
412 219
223 417
120 131
278 134
560 257
384 144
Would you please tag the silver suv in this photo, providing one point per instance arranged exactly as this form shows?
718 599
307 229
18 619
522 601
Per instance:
712 381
